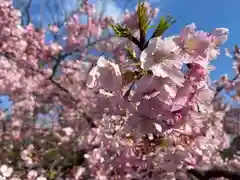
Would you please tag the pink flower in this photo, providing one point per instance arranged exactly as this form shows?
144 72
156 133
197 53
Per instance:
220 35
32 174
106 75
54 28
6 171
193 42
159 57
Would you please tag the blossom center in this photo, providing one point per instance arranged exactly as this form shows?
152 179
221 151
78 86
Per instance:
190 44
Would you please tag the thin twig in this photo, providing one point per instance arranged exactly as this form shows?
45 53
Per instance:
220 88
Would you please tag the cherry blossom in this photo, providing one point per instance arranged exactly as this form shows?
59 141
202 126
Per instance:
6 171
147 111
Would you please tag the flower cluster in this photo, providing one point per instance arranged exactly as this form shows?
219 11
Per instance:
147 111
157 88
159 97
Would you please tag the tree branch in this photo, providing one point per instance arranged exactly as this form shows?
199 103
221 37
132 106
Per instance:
135 41
220 88
214 173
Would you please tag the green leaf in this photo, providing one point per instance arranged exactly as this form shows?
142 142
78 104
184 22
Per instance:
52 175
12 154
128 77
163 25
120 30
236 49
163 143
51 154
41 65
131 53
150 27
143 17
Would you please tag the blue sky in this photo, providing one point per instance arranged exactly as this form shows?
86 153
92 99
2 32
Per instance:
207 14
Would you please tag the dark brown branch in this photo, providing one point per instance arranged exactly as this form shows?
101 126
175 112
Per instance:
58 61
62 88
134 40
214 173
220 88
